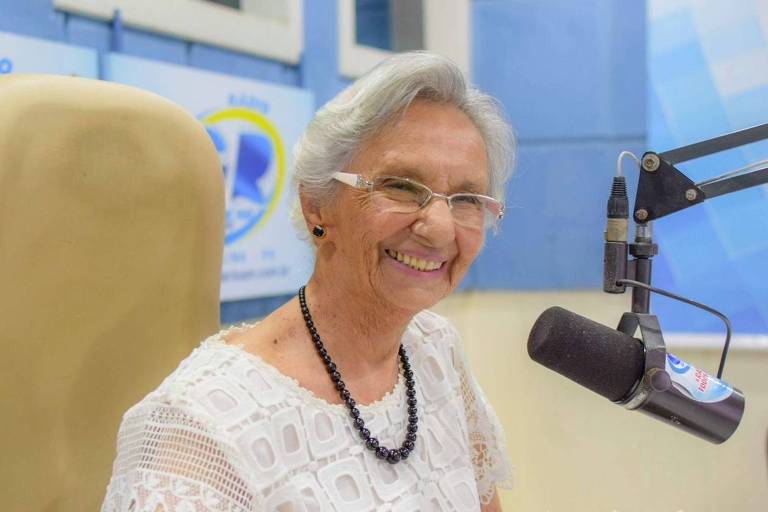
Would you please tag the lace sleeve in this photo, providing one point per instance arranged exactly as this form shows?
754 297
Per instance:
171 458
486 436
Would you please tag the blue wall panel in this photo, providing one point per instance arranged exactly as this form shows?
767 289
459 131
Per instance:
88 32
552 233
571 77
564 69
34 18
153 46
232 63
320 63
707 78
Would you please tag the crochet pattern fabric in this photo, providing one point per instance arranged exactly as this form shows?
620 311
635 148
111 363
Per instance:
226 432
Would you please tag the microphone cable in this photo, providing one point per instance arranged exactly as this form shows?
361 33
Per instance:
638 284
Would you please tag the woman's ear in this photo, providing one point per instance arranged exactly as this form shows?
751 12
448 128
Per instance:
313 214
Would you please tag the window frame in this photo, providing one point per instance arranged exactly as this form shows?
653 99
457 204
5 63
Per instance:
197 21
447 31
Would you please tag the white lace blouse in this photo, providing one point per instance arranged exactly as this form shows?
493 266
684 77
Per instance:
226 432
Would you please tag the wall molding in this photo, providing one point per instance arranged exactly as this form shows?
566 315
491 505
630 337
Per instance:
447 31
685 340
205 22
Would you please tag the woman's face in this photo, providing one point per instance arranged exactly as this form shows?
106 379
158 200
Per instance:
436 145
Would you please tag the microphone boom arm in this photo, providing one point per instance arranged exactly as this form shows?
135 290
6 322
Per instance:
662 189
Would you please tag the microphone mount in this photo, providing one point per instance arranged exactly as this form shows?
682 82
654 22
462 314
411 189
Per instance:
662 190
657 396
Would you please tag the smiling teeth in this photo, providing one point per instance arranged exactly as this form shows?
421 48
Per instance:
413 262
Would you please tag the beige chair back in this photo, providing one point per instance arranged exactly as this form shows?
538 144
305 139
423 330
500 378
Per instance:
111 235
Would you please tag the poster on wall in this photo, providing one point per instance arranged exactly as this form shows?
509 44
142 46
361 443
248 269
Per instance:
708 76
254 126
20 54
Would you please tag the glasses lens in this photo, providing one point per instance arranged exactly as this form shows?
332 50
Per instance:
475 211
399 194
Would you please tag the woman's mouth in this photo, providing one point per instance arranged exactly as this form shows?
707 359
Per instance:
413 262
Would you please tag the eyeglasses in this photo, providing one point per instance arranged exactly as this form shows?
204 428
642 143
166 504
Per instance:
402 195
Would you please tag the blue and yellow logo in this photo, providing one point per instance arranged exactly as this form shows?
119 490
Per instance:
6 65
254 164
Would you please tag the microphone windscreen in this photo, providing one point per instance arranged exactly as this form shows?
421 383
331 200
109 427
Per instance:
598 357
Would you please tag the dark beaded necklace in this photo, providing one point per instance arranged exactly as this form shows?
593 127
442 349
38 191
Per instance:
394 455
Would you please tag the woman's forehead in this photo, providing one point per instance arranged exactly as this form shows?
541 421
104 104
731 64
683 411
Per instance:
433 143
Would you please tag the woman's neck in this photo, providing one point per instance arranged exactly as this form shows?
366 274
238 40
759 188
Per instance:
361 334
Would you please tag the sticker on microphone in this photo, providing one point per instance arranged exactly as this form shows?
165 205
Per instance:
696 383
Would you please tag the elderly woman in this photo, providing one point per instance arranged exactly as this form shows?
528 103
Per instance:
352 396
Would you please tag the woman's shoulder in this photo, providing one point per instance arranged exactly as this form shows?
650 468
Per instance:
433 328
215 379
432 337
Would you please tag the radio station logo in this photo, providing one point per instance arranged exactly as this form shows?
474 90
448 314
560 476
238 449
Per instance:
254 164
6 65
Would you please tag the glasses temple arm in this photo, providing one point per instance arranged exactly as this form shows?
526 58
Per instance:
353 180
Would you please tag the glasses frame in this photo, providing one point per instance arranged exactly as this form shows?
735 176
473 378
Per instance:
358 181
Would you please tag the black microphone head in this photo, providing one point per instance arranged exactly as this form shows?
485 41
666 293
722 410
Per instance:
598 357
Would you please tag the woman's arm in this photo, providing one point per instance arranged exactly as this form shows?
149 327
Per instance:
173 458
493 506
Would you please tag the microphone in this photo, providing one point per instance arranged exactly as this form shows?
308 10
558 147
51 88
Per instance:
635 374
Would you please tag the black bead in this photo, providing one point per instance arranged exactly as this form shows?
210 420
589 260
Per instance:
392 456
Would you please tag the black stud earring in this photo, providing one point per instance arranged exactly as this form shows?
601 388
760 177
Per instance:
318 231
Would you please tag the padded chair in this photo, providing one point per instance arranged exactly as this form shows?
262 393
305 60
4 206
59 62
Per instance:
111 237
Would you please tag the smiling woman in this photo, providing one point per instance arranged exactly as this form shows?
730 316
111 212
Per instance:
352 396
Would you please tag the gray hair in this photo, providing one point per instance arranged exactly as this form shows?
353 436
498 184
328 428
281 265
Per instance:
337 131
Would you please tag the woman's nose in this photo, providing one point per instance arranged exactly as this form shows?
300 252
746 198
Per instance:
437 221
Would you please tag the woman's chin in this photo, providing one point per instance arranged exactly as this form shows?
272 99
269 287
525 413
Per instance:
414 296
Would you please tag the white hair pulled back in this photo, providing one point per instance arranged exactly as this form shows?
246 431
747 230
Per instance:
338 130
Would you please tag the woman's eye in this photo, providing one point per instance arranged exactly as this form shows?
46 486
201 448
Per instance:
401 186
467 200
